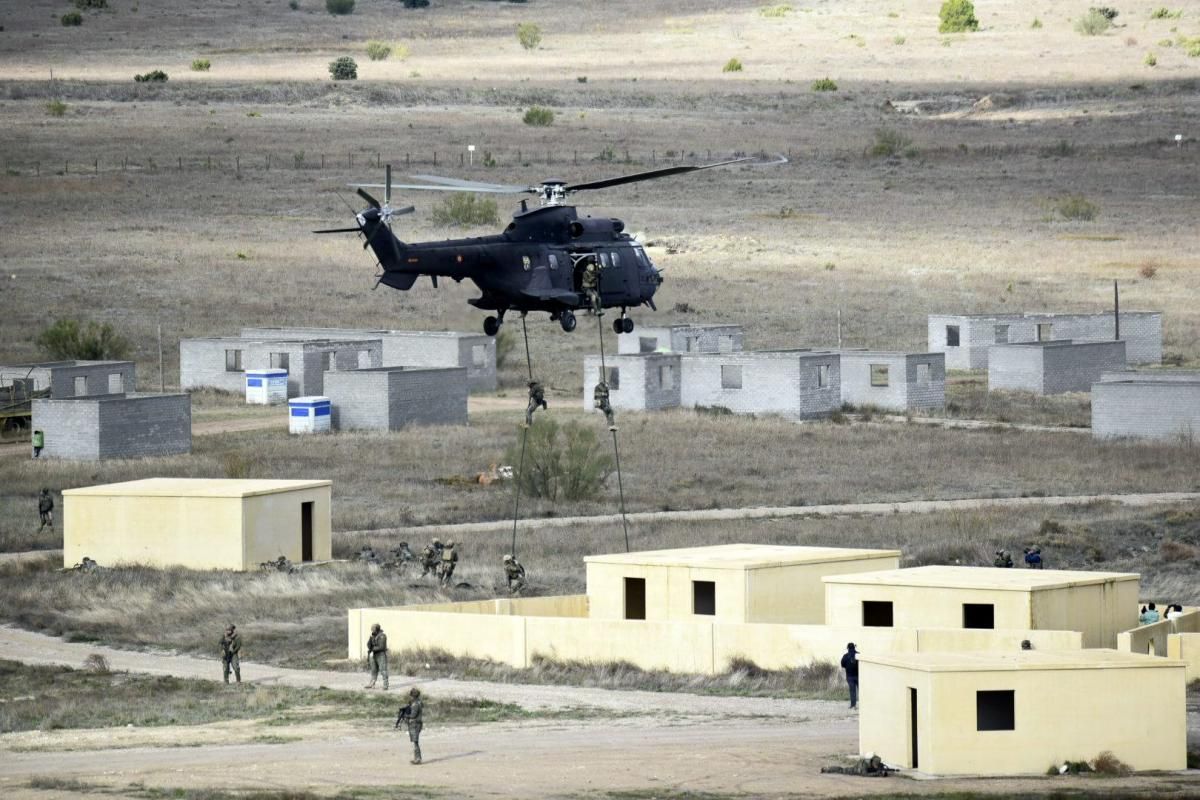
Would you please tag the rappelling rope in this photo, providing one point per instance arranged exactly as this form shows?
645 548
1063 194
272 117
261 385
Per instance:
616 450
524 438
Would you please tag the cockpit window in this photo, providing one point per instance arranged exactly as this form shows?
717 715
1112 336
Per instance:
603 260
641 256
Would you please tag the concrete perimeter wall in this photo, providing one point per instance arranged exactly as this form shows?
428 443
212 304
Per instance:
1146 409
115 426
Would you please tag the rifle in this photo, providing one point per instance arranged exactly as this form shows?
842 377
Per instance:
405 712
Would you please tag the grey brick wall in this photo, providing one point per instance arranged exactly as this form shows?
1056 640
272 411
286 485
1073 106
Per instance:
100 377
1052 367
390 398
115 426
915 381
1163 410
646 382
683 339
202 361
784 383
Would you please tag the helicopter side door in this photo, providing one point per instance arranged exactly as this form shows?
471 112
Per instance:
618 277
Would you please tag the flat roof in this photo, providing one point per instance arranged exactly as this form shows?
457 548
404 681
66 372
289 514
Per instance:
739 556
254 332
977 661
886 353
64 364
193 487
998 578
1041 314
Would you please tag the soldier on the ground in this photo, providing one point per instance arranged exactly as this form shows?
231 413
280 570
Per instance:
514 573
869 767
377 650
231 648
367 554
600 401
589 281
449 562
411 713
1003 559
46 510
537 397
86 565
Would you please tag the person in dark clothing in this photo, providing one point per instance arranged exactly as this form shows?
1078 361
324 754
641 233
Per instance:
850 665
1033 557
46 510
412 715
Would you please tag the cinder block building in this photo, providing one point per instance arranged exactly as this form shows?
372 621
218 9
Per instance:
635 382
965 338
1052 367
197 523
390 398
474 352
798 384
115 426
1155 404
1018 713
682 339
221 362
63 379
893 381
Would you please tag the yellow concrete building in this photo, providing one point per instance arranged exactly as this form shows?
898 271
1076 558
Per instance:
197 523
1021 712
1097 604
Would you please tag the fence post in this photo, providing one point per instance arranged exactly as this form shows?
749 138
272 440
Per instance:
322 161
37 168
377 159
96 164
350 160
460 159
575 157
237 164
268 162
181 163
435 158
66 168
519 159
406 159
209 164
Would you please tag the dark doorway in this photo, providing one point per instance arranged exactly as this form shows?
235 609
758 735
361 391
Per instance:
912 721
635 598
979 615
306 531
877 614
704 597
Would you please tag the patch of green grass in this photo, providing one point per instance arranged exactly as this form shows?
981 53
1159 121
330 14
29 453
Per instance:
774 12
1093 23
732 65
201 65
1076 207
538 117
824 85
889 142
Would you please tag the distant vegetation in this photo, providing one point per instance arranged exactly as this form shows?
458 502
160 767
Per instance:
1076 207
71 18
377 50
781 10
85 5
1165 13
732 65
529 34
1094 22
1151 60
343 69
889 142
339 7
957 16
565 462
70 339
824 85
466 209
153 76
201 65
416 3
538 117
56 108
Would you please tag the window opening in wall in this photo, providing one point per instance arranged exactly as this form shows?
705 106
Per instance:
666 376
979 615
691 343
81 386
233 361
614 378
704 597
279 361
995 710
877 613
922 374
731 376
724 344
479 355
326 361
635 598
822 376
951 336
879 374
647 344
1044 331
1001 334
364 359
116 383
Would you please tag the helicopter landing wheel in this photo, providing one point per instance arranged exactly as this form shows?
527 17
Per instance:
567 320
491 326
618 325
626 325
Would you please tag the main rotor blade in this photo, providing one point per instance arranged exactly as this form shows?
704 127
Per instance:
474 184
478 190
340 230
387 186
650 175
399 212
366 196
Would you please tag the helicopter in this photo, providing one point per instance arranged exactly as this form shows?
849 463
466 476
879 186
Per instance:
537 263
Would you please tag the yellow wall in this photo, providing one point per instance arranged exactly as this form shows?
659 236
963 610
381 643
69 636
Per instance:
1185 647
795 594
195 532
1146 639
675 646
494 637
1061 714
1099 611
920 606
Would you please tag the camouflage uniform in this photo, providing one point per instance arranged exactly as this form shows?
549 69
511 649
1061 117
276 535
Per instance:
589 281
537 397
231 648
600 402
514 573
872 767
1003 559
377 656
449 562
412 714
431 558
46 509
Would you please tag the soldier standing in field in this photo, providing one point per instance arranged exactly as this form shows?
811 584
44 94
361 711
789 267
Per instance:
377 655
46 510
412 714
514 573
231 647
449 562
537 397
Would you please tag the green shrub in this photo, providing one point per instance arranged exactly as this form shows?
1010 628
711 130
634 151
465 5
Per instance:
416 3
294 5
1076 207
1165 13
1151 60
529 35
201 65
889 142
1108 764
339 7
1108 12
957 16
1037 23
84 5
56 108
568 462
898 39
781 10
377 50
343 69
153 76
538 117
69 339
71 18
1093 23
732 65
466 209
824 85
400 52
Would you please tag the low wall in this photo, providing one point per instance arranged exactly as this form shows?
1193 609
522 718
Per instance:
1185 647
1154 638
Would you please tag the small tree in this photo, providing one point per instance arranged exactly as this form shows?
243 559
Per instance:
378 51
567 462
824 85
466 209
69 339
538 117
416 3
732 65
1093 23
71 19
153 76
957 16
529 35
339 7
343 69
201 65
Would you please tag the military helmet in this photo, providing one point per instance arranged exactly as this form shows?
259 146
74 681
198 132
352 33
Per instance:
507 557
437 540
450 543
414 692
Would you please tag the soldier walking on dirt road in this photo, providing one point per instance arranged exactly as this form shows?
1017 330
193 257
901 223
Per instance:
377 654
412 714
231 647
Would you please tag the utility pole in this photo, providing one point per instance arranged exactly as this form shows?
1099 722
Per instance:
1116 312
839 328
162 381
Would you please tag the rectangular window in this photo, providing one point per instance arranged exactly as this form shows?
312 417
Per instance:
1001 334
326 361
724 344
364 359
635 598
233 361
616 259
604 261
923 374
479 355
81 386
951 336
822 376
666 376
647 344
116 383
279 360
1044 331
879 374
614 378
877 613
995 711
553 261
979 615
691 344
704 597
731 376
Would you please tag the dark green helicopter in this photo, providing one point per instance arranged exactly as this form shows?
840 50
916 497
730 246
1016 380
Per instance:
537 263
